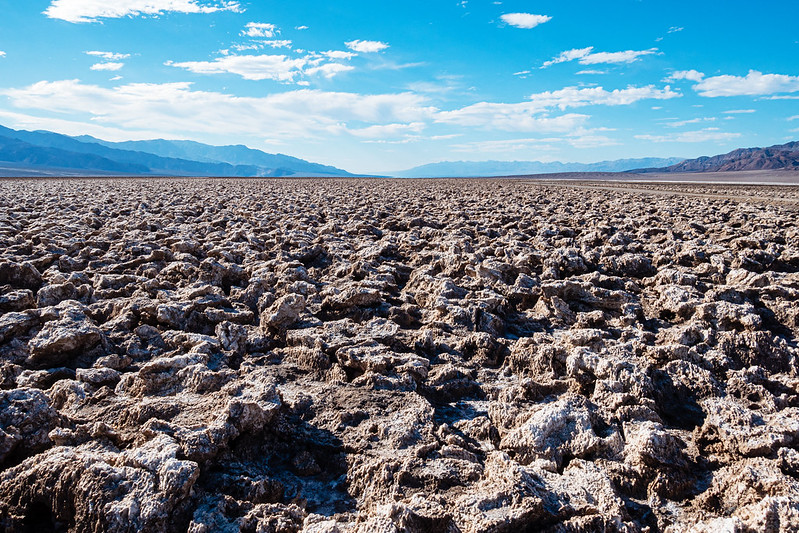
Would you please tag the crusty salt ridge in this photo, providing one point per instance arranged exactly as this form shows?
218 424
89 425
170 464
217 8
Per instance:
359 356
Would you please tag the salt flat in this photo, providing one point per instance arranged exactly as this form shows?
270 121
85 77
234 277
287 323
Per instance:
397 355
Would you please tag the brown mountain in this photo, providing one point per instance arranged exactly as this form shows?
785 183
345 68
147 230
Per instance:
779 157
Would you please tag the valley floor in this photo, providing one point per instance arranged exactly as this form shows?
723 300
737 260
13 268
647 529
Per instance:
329 355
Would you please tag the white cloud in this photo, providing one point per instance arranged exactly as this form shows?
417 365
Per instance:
574 97
300 28
506 146
93 10
381 131
112 66
739 111
579 139
692 75
511 117
524 20
681 123
569 55
182 112
704 135
260 29
366 47
2 54
591 71
250 67
108 56
280 68
795 117
75 128
628 56
753 84
338 54
526 116
328 70
112 60
282 43
586 56
675 29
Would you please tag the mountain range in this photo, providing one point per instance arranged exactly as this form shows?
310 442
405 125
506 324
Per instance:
468 169
44 153
777 157
25 152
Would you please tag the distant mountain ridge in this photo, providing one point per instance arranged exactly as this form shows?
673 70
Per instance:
14 150
470 169
47 150
777 157
232 155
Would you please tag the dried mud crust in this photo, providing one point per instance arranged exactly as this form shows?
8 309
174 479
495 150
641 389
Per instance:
355 355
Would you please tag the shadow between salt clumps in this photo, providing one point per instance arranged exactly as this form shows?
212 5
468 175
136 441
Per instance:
291 462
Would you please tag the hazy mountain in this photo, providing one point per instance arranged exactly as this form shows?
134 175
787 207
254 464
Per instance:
61 151
469 169
29 156
778 157
233 155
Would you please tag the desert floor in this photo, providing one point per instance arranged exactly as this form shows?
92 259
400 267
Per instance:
472 355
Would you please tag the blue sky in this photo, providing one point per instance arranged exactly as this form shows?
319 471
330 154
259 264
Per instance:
379 86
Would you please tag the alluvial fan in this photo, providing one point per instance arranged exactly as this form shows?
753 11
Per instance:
378 355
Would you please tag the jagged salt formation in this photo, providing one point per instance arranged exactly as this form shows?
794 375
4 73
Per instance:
333 356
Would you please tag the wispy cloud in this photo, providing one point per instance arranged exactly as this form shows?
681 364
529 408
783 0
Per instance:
442 85
259 45
704 135
755 83
524 20
795 117
278 43
675 29
111 66
108 56
576 97
382 131
260 29
581 138
506 146
681 123
112 60
511 117
250 67
93 10
739 111
532 115
366 47
337 54
183 112
586 56
328 70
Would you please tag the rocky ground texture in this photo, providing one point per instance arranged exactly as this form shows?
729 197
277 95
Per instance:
380 356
